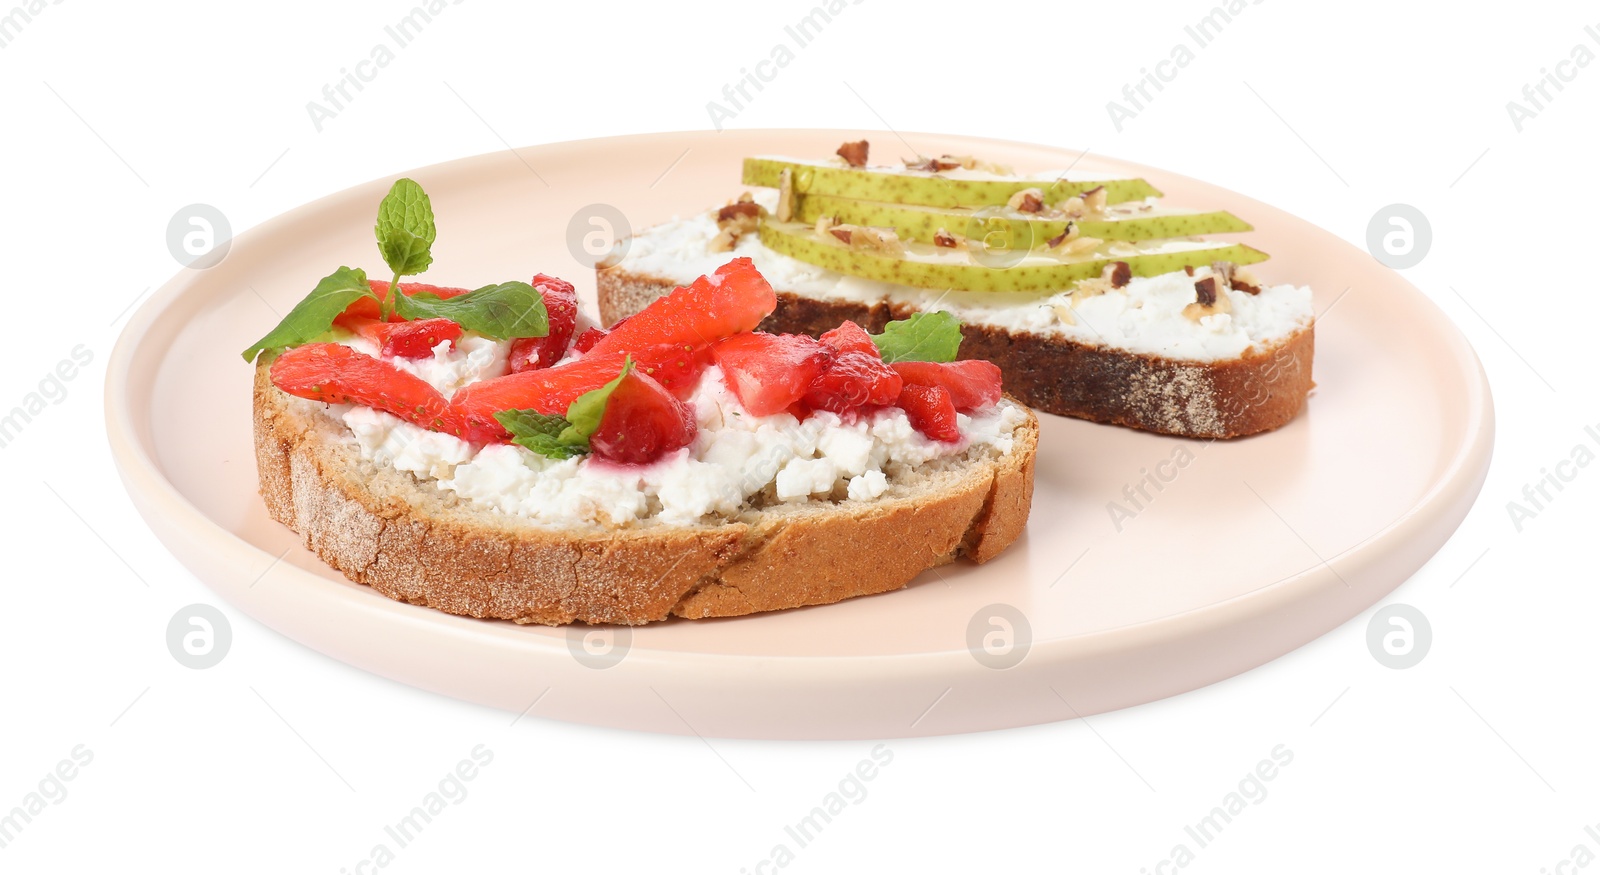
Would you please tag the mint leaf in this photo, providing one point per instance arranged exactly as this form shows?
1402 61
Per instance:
405 229
585 412
314 315
540 433
925 337
503 312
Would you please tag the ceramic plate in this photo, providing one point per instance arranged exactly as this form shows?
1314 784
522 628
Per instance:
1212 566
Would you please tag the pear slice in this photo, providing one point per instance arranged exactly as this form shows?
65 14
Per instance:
949 188
933 267
1004 228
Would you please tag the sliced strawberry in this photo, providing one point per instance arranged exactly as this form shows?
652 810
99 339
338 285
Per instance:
588 339
337 374
851 336
551 390
403 339
735 298
931 411
367 308
769 372
676 368
561 305
972 384
642 422
854 379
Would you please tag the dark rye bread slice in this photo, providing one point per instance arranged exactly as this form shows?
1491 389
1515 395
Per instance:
414 542
1259 391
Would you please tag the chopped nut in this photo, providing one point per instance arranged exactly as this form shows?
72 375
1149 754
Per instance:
1188 269
826 223
1210 295
1095 199
854 154
1066 236
1064 313
1118 274
739 211
785 210
1029 200
734 221
1245 281
1235 277
883 241
843 232
1081 246
1074 207
1092 287
933 165
945 239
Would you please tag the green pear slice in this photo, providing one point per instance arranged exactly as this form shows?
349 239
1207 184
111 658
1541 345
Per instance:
932 267
1003 228
948 188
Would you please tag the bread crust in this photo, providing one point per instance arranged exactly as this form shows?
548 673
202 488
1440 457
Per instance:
416 543
1259 391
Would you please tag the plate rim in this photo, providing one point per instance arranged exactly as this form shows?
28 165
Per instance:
1452 492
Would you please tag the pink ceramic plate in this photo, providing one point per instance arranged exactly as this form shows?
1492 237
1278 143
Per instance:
1252 549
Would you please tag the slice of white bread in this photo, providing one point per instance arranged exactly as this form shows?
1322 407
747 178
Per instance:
1182 380
414 542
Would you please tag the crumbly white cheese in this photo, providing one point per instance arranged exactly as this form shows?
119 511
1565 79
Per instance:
734 456
1145 317
471 358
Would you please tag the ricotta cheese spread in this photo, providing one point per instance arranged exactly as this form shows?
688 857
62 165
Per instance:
1145 317
734 457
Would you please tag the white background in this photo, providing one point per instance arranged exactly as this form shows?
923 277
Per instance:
1481 758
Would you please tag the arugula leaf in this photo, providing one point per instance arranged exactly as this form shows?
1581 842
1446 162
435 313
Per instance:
503 312
314 315
585 412
405 229
925 337
540 433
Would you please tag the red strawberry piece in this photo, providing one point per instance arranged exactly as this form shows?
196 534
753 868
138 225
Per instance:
676 368
337 374
642 422
588 339
854 379
417 339
403 339
769 372
367 308
551 390
561 304
972 384
734 299
931 411
851 336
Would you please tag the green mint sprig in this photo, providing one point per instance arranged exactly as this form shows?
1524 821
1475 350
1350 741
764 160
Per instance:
562 437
